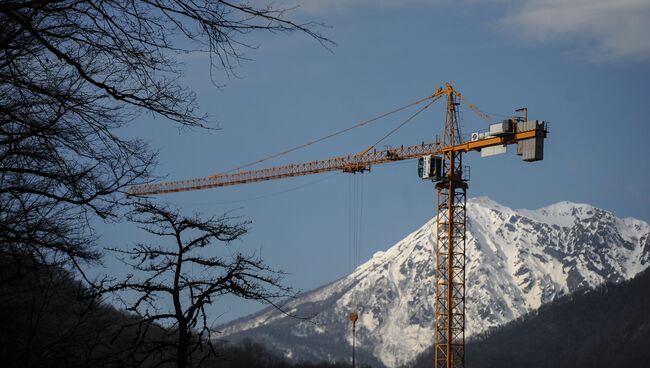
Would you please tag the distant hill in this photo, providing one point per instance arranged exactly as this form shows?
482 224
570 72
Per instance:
47 320
605 327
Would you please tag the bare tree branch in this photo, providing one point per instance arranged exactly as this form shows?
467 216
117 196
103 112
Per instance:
72 73
177 279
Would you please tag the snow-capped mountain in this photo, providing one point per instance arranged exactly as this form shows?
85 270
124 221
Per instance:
517 260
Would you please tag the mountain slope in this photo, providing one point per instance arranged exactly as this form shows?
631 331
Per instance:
517 261
606 327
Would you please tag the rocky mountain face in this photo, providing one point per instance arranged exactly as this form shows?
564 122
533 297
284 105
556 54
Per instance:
517 260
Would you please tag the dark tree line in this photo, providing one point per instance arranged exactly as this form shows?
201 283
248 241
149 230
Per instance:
605 327
48 320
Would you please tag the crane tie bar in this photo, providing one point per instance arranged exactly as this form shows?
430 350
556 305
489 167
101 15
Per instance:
365 122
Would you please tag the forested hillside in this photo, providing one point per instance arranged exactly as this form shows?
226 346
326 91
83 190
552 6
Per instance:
48 319
606 327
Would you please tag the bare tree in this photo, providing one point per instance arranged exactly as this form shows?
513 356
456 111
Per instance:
60 164
72 72
177 278
128 50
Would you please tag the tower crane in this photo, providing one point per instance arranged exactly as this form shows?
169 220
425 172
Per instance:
441 162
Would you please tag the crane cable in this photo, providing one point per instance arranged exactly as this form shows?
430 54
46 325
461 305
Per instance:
356 221
358 125
355 216
355 226
402 123
480 113
355 212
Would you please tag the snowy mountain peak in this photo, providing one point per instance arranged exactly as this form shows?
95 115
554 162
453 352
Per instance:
564 213
486 202
517 260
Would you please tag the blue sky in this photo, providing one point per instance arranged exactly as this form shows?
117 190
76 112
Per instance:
582 65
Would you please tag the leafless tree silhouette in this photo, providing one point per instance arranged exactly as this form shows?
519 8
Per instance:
176 278
72 73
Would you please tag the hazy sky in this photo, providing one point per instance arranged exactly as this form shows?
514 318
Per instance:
582 65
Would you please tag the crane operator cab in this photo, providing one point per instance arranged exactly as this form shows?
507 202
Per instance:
430 168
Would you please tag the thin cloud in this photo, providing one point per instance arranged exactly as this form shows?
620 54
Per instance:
596 30
601 30
320 7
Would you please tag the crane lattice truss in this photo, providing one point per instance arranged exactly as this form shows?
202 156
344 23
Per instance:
451 186
450 249
349 164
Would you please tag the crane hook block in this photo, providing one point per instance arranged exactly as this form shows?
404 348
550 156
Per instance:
354 317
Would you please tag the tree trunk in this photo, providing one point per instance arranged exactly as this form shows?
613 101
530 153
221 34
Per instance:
183 345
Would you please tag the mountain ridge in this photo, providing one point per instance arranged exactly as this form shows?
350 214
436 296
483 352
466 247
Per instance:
517 260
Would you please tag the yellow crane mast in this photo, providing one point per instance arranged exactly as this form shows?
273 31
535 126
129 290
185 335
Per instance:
440 161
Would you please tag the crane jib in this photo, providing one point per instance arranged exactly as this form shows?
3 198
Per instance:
349 164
